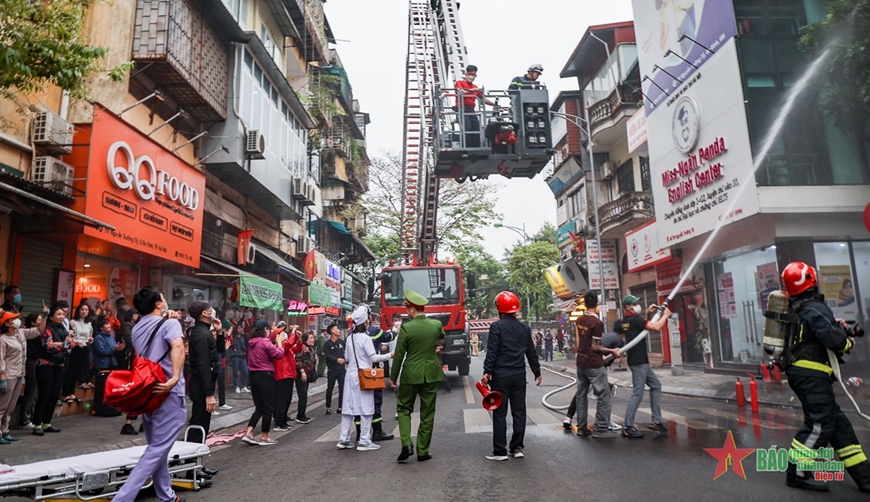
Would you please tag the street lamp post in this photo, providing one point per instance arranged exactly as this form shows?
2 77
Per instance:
525 236
579 121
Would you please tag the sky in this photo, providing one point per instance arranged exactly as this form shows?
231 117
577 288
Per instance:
503 38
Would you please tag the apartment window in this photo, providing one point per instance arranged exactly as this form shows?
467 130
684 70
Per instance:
239 10
263 108
625 177
645 180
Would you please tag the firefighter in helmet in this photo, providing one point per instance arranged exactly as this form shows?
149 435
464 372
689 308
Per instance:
810 377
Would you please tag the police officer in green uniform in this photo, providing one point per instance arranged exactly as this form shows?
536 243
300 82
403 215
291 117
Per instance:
416 357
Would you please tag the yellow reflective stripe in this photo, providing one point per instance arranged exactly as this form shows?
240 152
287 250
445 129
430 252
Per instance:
848 345
798 445
854 460
849 450
812 365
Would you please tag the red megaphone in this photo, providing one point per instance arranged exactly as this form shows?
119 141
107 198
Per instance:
491 398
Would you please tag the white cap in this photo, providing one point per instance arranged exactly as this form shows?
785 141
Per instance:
360 315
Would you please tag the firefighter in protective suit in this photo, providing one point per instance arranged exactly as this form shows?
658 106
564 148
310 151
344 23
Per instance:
810 377
380 338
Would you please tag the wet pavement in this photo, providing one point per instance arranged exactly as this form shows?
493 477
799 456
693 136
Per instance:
305 465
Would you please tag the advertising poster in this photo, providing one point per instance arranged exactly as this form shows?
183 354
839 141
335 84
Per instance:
674 40
835 282
727 305
66 283
608 261
766 282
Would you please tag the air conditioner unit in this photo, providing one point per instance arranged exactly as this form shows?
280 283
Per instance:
300 189
255 145
312 193
607 170
303 245
53 133
53 174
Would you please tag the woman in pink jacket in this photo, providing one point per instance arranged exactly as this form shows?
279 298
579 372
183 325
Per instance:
262 355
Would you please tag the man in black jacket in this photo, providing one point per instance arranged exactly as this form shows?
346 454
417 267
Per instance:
333 351
204 360
504 369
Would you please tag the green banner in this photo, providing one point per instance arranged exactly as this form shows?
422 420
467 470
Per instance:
259 293
319 295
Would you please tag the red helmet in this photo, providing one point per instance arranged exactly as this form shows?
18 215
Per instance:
798 277
507 303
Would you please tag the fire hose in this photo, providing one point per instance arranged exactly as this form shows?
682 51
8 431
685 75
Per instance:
835 364
572 385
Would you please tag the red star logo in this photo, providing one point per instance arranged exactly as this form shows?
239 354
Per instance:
730 455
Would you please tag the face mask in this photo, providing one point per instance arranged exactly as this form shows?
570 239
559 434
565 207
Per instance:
16 323
636 309
470 78
16 298
397 326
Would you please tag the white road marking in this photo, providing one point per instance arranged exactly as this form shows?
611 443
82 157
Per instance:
469 395
680 419
331 436
476 420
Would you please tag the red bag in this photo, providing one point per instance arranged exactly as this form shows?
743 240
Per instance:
132 391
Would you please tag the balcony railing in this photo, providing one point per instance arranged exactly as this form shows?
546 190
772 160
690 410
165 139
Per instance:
176 47
212 244
607 107
629 206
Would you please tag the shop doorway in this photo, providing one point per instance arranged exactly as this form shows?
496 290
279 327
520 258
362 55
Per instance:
742 283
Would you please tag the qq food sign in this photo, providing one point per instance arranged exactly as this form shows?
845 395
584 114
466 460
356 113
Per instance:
154 199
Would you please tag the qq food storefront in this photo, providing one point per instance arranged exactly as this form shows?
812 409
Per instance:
154 200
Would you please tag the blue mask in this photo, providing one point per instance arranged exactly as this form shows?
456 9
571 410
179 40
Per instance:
16 298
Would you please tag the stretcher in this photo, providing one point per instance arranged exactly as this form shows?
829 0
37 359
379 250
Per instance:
98 476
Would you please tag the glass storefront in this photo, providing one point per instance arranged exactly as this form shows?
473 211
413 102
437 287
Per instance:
741 284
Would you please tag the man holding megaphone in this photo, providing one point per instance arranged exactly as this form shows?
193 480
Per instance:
505 371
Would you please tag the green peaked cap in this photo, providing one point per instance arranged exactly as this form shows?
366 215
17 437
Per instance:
415 298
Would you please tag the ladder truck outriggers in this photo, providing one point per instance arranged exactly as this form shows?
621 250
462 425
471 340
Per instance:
512 139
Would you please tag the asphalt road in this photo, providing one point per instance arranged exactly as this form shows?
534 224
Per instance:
559 466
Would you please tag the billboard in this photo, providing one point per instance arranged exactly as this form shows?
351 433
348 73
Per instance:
700 153
154 199
610 267
675 38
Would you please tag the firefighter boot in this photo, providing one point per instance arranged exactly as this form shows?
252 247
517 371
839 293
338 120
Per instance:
861 474
802 480
378 432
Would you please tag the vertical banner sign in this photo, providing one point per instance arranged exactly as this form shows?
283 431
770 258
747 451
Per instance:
245 237
608 259
259 293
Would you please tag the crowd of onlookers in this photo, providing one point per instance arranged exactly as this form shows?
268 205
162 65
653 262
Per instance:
46 356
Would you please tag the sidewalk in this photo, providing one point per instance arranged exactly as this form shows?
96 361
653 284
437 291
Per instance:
697 383
82 434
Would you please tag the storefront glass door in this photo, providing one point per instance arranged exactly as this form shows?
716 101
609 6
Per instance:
742 283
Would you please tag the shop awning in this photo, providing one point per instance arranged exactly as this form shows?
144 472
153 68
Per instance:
338 226
87 220
283 266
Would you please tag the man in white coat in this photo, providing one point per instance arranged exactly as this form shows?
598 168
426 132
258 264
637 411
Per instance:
359 352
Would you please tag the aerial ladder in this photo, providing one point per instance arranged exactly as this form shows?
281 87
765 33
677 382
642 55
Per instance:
513 139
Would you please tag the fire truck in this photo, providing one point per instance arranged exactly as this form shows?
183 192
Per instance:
444 139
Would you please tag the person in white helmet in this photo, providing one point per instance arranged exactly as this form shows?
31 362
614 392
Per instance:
529 80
